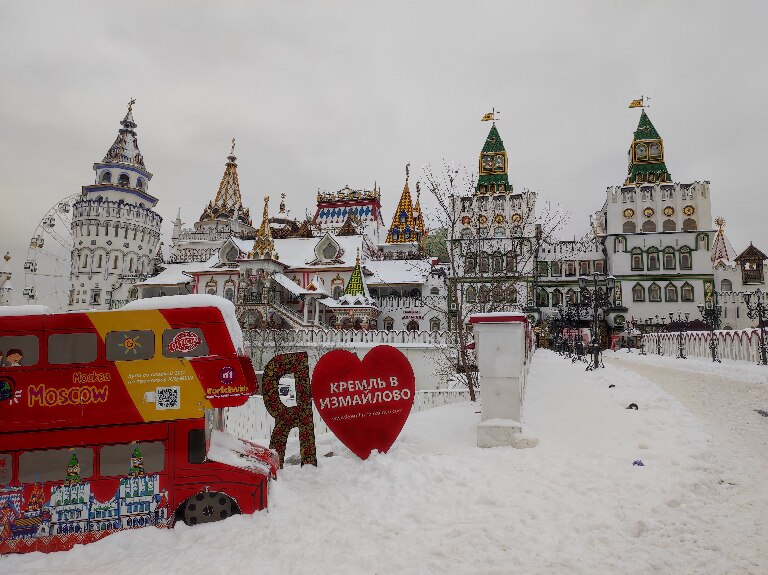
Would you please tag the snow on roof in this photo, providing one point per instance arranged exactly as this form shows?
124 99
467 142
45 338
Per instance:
174 273
18 310
390 272
299 252
290 285
226 307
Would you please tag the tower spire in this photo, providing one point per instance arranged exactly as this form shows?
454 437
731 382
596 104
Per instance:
356 284
722 251
264 245
646 155
125 149
228 204
403 228
492 165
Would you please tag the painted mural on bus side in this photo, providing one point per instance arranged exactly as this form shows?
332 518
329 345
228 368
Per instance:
69 512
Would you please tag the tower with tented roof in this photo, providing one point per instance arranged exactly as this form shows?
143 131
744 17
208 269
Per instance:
223 217
115 230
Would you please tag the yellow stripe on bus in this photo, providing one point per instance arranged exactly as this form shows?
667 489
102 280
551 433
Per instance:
144 378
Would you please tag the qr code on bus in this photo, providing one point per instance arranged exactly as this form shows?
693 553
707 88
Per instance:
168 398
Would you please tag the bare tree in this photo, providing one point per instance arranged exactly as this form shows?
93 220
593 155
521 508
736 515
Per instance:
491 250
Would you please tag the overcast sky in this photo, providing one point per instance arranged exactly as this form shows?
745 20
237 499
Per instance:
325 94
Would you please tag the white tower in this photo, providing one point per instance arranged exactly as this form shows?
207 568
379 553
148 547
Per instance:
114 228
6 290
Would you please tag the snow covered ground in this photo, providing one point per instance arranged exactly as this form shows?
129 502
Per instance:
437 504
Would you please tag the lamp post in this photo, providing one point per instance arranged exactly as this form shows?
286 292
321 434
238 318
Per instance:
577 310
601 300
680 332
656 328
710 312
756 309
642 341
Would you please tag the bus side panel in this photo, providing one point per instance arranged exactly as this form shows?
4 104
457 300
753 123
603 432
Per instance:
210 320
91 496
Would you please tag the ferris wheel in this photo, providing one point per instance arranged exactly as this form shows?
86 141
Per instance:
48 263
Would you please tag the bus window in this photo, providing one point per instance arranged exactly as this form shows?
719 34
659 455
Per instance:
18 350
56 465
119 459
72 348
6 468
130 345
185 342
196 448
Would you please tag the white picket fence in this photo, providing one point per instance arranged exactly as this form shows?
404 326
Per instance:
252 422
740 345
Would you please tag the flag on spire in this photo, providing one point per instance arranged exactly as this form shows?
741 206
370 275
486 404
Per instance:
637 103
487 117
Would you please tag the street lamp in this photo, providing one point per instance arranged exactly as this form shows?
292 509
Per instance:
680 332
576 311
601 300
758 310
710 312
656 328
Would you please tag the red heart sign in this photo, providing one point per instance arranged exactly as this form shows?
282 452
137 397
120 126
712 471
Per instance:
364 403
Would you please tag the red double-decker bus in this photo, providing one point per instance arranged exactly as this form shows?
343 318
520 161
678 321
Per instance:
108 421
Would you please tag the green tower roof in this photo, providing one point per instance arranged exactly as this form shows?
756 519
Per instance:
355 284
646 169
645 129
493 142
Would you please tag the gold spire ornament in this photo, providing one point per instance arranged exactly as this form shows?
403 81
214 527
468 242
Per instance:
263 245
228 204
403 228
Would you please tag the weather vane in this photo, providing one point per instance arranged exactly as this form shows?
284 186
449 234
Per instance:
130 104
490 117
232 151
407 171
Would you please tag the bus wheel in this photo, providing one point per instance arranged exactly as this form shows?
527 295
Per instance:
207 507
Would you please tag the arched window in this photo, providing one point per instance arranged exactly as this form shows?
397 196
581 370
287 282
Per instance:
403 217
511 261
653 259
114 263
686 292
434 291
557 297
689 225
669 258
637 259
389 324
415 293
123 180
484 293
84 261
498 232
434 324
469 264
106 177
685 258
466 234
726 285
498 294
140 183
669 226
570 296
413 325
649 226
511 294
498 263
484 264
471 294
542 298
670 292
629 227
654 292
638 293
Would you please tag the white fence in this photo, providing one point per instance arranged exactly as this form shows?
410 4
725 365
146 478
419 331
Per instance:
252 422
308 336
740 345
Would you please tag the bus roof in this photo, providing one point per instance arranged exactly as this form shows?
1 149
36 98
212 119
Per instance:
226 307
22 310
